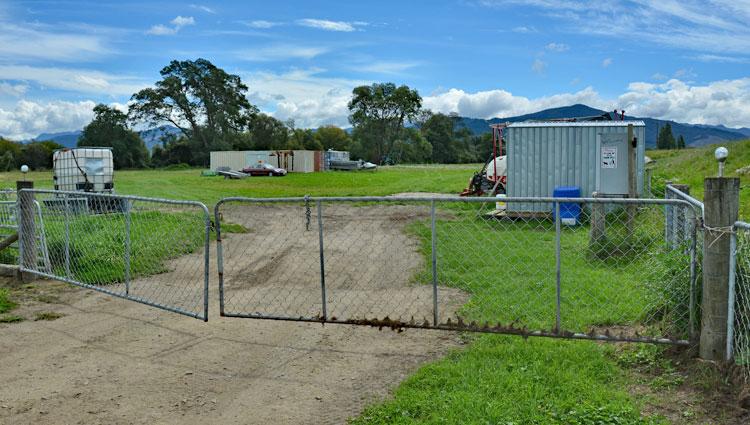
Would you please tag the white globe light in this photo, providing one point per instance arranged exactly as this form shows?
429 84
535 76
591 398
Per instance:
721 153
24 169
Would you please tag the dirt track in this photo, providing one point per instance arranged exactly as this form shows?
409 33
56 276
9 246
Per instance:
114 361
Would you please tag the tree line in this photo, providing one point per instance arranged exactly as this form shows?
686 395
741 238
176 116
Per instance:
665 139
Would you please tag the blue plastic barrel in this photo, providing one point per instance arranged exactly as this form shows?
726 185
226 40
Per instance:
570 212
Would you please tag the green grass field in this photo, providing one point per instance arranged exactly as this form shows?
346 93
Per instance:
690 166
189 185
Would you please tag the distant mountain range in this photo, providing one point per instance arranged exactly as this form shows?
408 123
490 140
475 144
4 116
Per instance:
151 137
694 134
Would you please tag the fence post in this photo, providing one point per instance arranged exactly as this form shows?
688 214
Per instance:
721 200
731 298
558 231
679 219
632 181
319 206
668 216
67 237
127 246
26 230
435 314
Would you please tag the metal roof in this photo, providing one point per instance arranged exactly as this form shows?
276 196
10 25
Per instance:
577 124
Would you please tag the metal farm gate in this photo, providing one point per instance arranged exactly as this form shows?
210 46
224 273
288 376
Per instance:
152 251
602 269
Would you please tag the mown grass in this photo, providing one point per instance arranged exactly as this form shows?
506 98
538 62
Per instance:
509 380
690 166
189 185
97 243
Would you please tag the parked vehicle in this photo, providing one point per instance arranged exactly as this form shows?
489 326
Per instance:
264 169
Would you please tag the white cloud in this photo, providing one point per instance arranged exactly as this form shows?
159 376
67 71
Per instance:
261 24
181 21
161 30
327 25
721 102
280 52
713 26
501 103
203 8
76 80
305 96
557 47
606 62
14 90
35 43
539 66
28 119
719 58
524 30
177 24
386 67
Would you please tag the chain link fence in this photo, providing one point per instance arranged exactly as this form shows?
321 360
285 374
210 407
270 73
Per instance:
586 268
739 298
153 251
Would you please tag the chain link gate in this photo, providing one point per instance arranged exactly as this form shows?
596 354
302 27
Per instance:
581 268
738 326
149 250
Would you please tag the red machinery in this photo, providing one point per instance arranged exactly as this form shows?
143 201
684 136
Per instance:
491 179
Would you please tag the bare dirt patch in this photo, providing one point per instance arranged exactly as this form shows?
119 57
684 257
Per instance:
107 360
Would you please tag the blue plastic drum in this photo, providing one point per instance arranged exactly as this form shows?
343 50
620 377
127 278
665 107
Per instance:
570 213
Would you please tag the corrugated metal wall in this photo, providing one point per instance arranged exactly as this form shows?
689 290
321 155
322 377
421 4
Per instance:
542 156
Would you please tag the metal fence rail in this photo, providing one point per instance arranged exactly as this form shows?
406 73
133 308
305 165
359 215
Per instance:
738 338
148 250
457 263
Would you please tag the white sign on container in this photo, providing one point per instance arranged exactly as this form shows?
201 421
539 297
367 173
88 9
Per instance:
609 157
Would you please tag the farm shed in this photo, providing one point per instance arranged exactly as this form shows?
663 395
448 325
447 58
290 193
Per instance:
544 155
300 161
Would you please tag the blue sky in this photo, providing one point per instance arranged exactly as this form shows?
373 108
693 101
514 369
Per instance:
682 60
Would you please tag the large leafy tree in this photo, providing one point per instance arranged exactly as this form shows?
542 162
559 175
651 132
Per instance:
378 113
332 137
206 103
438 130
110 128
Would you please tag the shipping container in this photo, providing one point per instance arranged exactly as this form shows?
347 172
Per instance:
300 161
545 155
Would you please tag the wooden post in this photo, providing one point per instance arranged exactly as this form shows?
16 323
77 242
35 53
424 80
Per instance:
26 229
680 220
721 201
632 180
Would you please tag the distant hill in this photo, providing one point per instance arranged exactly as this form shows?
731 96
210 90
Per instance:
65 138
151 137
695 135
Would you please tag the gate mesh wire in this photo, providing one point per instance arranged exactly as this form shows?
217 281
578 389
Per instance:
147 250
494 272
742 300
